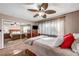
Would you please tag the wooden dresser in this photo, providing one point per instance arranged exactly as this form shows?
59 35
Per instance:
33 33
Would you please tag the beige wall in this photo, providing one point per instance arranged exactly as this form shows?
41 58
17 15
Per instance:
72 22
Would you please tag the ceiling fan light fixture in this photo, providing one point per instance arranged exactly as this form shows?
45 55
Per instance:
41 13
41 10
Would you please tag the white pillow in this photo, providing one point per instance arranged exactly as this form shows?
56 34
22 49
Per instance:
76 35
59 41
56 41
75 46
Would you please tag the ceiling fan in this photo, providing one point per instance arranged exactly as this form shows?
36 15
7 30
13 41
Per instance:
41 11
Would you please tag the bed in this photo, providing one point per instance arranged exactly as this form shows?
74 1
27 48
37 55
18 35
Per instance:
42 46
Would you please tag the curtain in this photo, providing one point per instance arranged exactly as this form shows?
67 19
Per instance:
59 25
52 27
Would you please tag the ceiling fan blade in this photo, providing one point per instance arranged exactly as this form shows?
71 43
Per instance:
44 5
33 10
50 11
36 15
44 16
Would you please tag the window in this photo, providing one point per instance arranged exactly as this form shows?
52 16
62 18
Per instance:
26 28
53 27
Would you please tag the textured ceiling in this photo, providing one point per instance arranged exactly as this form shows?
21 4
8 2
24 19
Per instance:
20 10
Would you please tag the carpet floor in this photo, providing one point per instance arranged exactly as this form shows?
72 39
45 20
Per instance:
12 46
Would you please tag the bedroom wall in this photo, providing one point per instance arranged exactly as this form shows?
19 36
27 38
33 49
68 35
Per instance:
72 22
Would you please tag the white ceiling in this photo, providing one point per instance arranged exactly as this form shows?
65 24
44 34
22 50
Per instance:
20 10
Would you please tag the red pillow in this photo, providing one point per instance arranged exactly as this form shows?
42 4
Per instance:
68 40
67 34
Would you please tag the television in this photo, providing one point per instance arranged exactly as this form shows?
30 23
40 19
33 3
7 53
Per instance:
35 27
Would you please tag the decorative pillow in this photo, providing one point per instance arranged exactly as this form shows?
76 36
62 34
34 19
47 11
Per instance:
53 41
67 34
68 40
76 35
59 41
75 46
78 47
